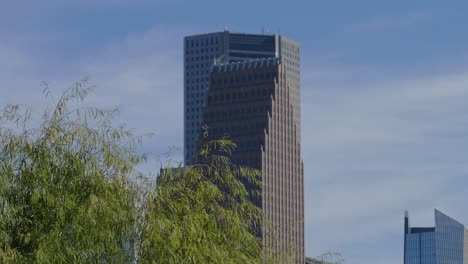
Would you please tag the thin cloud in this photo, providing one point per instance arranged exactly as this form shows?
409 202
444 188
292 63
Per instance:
388 23
141 74
376 148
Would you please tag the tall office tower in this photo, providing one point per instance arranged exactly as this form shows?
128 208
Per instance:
201 51
254 103
446 243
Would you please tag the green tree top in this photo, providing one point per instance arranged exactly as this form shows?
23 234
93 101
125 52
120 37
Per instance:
68 194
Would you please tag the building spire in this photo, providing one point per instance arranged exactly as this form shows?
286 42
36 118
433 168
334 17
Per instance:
407 227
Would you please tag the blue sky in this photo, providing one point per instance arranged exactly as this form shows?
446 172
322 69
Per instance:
384 95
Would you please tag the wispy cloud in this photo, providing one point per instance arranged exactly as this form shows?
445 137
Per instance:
142 74
388 23
377 147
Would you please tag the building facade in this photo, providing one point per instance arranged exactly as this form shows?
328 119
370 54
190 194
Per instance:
202 51
446 243
253 103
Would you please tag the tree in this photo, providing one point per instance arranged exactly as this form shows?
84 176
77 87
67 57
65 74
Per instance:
70 193
65 193
203 214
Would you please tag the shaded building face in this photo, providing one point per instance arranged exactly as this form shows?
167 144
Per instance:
239 105
252 103
200 53
446 243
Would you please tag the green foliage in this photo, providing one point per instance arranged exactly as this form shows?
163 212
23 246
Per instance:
65 194
203 214
69 194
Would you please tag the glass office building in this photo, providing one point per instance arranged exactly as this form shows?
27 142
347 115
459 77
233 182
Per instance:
202 51
247 87
252 103
446 243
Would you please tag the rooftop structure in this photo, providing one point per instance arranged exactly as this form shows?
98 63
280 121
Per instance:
446 243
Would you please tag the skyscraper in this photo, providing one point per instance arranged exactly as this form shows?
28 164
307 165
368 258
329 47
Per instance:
248 87
251 102
446 243
202 51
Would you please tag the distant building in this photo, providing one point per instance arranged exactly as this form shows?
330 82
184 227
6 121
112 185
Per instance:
446 243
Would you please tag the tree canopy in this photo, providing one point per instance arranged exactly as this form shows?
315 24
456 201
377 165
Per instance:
70 193
203 214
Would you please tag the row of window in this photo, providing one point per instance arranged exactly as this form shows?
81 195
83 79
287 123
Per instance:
192 131
250 56
196 80
191 140
193 117
193 59
201 51
292 70
290 47
197 73
230 97
198 66
240 113
243 78
195 102
197 87
195 43
188 140
194 94
237 130
292 56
